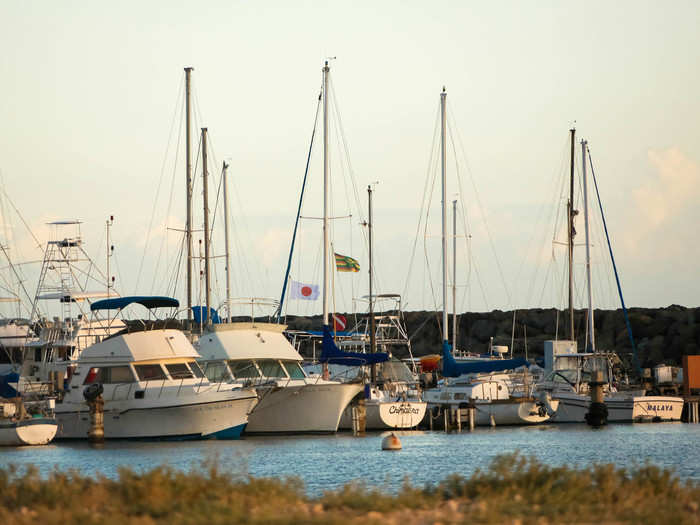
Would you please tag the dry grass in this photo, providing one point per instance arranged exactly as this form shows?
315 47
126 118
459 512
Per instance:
514 489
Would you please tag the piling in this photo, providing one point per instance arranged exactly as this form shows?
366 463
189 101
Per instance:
93 396
492 420
472 416
446 414
359 418
597 414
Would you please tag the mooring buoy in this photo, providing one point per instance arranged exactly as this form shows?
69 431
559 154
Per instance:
391 442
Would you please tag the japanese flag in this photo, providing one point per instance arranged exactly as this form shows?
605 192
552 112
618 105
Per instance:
307 292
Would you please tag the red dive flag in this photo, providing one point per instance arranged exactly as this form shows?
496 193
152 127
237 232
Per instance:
307 292
339 322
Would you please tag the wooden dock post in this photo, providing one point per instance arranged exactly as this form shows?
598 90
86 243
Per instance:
359 418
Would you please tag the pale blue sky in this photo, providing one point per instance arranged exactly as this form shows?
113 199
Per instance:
90 88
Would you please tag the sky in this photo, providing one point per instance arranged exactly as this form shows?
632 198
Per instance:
92 98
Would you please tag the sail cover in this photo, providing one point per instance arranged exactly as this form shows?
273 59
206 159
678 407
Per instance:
451 368
149 301
330 353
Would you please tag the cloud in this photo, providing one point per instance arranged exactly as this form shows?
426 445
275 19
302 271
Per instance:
675 186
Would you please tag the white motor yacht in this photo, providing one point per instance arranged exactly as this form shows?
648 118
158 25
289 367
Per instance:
258 355
153 387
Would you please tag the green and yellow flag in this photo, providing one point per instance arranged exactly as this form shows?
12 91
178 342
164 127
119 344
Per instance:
343 263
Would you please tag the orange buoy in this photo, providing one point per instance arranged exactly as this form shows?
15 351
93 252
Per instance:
391 442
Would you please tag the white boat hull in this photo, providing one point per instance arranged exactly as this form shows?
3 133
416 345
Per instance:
513 411
36 431
621 408
387 415
301 408
222 417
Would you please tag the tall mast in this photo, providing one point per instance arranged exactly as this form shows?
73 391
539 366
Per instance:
226 241
591 333
454 275
443 102
372 335
326 233
205 193
110 249
188 167
571 233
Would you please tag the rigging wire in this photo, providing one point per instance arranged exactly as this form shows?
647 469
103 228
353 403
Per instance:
160 180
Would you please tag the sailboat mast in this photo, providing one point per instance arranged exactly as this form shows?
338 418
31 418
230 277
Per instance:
454 275
326 233
226 241
571 234
372 335
188 167
205 194
443 102
591 333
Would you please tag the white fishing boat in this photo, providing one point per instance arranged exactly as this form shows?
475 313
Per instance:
26 423
259 356
153 387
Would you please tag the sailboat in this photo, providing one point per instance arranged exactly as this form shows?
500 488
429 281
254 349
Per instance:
391 401
475 382
258 354
570 372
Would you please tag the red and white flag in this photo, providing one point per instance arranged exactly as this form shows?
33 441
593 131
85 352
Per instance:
307 292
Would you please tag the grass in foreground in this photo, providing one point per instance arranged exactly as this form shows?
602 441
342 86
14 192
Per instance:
514 489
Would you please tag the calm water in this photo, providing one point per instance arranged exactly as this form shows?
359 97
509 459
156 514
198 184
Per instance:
330 461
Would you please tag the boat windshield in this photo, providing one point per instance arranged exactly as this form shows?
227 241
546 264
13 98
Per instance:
217 372
149 372
109 375
396 371
244 369
271 368
196 369
294 369
179 371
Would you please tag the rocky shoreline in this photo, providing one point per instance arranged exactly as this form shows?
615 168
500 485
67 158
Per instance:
662 335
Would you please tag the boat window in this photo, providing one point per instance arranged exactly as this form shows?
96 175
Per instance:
93 376
119 374
109 375
217 372
149 372
179 371
294 369
196 369
445 395
460 395
243 369
271 368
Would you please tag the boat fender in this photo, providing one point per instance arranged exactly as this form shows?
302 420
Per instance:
93 391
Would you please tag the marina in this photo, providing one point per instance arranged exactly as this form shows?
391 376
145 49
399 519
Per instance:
350 263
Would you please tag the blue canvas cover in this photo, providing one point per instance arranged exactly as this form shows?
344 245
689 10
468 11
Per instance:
200 315
330 353
149 301
451 368
6 385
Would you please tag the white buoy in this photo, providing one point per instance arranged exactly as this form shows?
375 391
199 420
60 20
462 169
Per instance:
391 442
492 420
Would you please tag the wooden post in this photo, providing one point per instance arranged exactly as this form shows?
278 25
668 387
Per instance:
96 434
